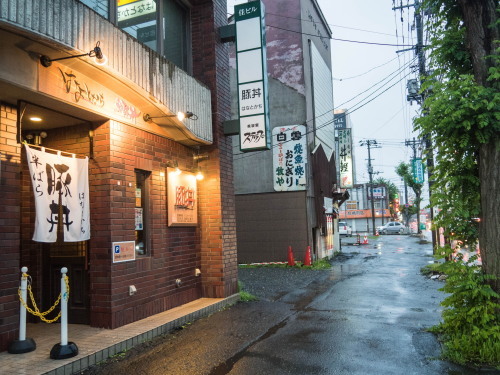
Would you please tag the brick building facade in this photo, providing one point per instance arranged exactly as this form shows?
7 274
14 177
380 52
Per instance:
120 149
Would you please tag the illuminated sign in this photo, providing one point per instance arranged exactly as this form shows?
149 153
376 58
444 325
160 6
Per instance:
251 72
182 198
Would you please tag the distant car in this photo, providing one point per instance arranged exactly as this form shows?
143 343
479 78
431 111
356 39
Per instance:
394 227
344 229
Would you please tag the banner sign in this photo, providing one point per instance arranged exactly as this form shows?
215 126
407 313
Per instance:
61 190
251 72
359 214
417 168
345 158
289 158
182 199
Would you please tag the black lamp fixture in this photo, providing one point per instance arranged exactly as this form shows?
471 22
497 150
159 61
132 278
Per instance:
96 52
180 116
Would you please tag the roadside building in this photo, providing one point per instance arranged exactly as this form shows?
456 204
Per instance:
286 194
142 238
357 211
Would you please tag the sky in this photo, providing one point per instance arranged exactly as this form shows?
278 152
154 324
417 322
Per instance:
362 72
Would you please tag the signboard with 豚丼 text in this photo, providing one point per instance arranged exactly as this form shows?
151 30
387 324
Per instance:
345 158
123 251
182 202
251 73
289 157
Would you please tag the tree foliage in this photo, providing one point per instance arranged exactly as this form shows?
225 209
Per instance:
404 171
461 114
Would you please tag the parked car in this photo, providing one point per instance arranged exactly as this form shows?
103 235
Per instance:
394 227
344 229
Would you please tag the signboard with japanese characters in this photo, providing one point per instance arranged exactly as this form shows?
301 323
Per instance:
289 157
345 158
182 199
418 171
135 12
77 89
378 193
251 72
123 251
60 185
340 120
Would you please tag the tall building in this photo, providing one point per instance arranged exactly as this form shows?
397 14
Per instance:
286 195
90 143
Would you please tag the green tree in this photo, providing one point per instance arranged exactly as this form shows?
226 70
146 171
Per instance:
392 192
461 114
404 171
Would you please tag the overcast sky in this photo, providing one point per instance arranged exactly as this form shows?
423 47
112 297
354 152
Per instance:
362 72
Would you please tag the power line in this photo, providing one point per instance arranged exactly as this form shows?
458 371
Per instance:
343 40
368 71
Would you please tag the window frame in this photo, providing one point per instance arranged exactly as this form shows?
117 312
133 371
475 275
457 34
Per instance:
146 210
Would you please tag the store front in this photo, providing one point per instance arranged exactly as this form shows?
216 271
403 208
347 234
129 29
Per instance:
136 229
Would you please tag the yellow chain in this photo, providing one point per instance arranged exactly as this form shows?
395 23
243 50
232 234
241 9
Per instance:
36 311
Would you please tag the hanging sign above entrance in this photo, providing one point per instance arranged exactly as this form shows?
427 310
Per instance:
61 189
251 73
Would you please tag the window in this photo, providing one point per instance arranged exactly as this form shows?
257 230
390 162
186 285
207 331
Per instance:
141 212
176 41
99 6
162 25
139 19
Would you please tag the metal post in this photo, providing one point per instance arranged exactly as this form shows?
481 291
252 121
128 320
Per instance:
64 349
23 345
64 308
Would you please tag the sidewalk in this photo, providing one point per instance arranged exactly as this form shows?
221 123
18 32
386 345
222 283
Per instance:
97 344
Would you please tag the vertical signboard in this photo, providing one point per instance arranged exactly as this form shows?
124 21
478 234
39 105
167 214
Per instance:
181 199
345 158
251 73
418 171
289 158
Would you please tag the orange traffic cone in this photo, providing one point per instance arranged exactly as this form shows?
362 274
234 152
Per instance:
307 257
376 232
291 260
365 240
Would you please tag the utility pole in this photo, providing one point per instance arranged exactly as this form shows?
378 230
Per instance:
419 97
371 143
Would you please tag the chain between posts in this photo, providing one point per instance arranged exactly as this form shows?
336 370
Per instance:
35 311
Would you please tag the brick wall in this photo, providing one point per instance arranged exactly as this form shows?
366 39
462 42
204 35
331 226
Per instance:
9 226
218 223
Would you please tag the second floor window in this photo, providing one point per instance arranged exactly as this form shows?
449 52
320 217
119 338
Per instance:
162 25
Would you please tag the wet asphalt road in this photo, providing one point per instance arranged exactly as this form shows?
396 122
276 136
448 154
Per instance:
366 315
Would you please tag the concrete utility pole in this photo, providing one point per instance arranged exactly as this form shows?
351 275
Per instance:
419 50
371 143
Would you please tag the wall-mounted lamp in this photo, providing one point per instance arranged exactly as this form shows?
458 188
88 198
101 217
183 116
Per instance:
180 116
174 165
36 138
197 158
199 175
91 144
96 52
